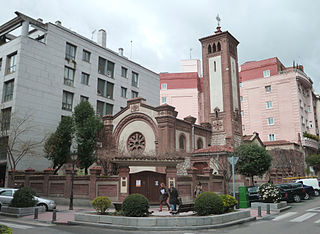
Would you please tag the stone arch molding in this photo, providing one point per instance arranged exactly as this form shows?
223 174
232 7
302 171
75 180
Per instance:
137 122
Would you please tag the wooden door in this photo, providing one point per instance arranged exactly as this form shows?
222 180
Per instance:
147 183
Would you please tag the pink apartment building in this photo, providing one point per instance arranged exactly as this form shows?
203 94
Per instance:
184 90
278 103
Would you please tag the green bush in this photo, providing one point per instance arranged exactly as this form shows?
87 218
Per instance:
135 205
311 136
24 197
208 203
269 193
5 230
229 202
101 204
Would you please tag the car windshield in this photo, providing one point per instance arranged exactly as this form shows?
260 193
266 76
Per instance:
253 189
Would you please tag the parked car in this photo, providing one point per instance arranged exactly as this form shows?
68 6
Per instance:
6 195
253 194
292 192
311 182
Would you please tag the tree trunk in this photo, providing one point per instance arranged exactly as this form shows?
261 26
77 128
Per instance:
252 182
57 169
86 171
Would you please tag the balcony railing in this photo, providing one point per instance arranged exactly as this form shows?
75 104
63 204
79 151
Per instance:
308 142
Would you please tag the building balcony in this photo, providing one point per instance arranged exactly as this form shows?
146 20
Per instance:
311 143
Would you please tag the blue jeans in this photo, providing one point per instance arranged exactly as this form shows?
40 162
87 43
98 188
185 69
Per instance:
173 207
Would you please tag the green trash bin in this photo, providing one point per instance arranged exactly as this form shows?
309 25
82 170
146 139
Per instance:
243 197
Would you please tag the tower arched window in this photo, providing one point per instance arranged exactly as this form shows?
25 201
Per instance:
219 46
209 49
199 143
182 142
214 48
214 66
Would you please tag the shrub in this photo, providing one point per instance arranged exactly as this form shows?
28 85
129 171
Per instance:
101 204
5 230
229 202
208 203
269 193
24 197
311 136
135 205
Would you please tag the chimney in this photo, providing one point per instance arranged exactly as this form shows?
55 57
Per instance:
58 22
120 51
102 38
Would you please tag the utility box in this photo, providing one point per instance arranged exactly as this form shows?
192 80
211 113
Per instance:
243 197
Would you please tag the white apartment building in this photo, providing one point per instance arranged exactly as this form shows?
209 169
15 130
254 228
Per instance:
47 69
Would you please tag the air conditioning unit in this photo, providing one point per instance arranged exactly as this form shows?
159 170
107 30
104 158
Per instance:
109 74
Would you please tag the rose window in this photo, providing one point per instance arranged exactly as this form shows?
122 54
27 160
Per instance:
136 142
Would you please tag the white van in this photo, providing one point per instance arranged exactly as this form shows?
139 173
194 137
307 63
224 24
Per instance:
311 182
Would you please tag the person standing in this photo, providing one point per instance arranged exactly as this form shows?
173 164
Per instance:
198 189
163 196
173 193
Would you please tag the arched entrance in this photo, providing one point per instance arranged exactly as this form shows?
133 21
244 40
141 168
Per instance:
147 183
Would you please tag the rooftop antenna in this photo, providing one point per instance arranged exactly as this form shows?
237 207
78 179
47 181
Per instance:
131 50
190 52
93 33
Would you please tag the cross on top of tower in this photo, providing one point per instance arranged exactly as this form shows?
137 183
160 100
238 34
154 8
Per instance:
218 27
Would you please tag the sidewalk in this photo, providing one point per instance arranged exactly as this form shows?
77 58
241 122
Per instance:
64 215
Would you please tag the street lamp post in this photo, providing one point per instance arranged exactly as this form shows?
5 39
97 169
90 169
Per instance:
74 157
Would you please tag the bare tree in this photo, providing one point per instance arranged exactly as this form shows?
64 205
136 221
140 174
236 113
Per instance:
16 133
221 165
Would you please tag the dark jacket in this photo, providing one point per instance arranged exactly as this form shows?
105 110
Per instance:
173 196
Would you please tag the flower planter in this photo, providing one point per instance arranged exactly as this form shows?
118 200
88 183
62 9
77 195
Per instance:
18 212
273 206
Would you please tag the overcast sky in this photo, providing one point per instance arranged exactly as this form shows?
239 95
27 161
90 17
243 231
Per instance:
162 32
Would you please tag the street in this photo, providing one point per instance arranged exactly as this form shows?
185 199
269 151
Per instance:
302 218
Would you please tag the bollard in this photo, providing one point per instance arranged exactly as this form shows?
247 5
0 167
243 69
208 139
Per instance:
268 208
259 211
36 212
54 215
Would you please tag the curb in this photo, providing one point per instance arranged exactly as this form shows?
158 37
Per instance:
171 228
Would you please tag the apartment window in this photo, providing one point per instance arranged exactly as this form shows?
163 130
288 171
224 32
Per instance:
110 90
164 100
100 108
135 79
309 109
123 92
268 88
11 63
109 109
243 128
266 73
310 124
164 86
271 137
269 104
124 72
84 98
5 119
241 98
68 76
8 91
86 56
106 67
70 51
67 101
270 121
240 84
134 94
85 78
242 113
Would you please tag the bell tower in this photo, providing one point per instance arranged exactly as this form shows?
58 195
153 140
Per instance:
221 87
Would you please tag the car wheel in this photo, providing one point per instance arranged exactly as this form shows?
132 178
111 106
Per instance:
44 206
296 198
316 193
306 197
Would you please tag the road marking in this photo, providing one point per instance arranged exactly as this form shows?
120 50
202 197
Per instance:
286 215
303 217
318 221
19 226
316 209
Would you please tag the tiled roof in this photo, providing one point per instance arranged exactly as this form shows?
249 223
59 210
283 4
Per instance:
214 149
247 137
280 142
